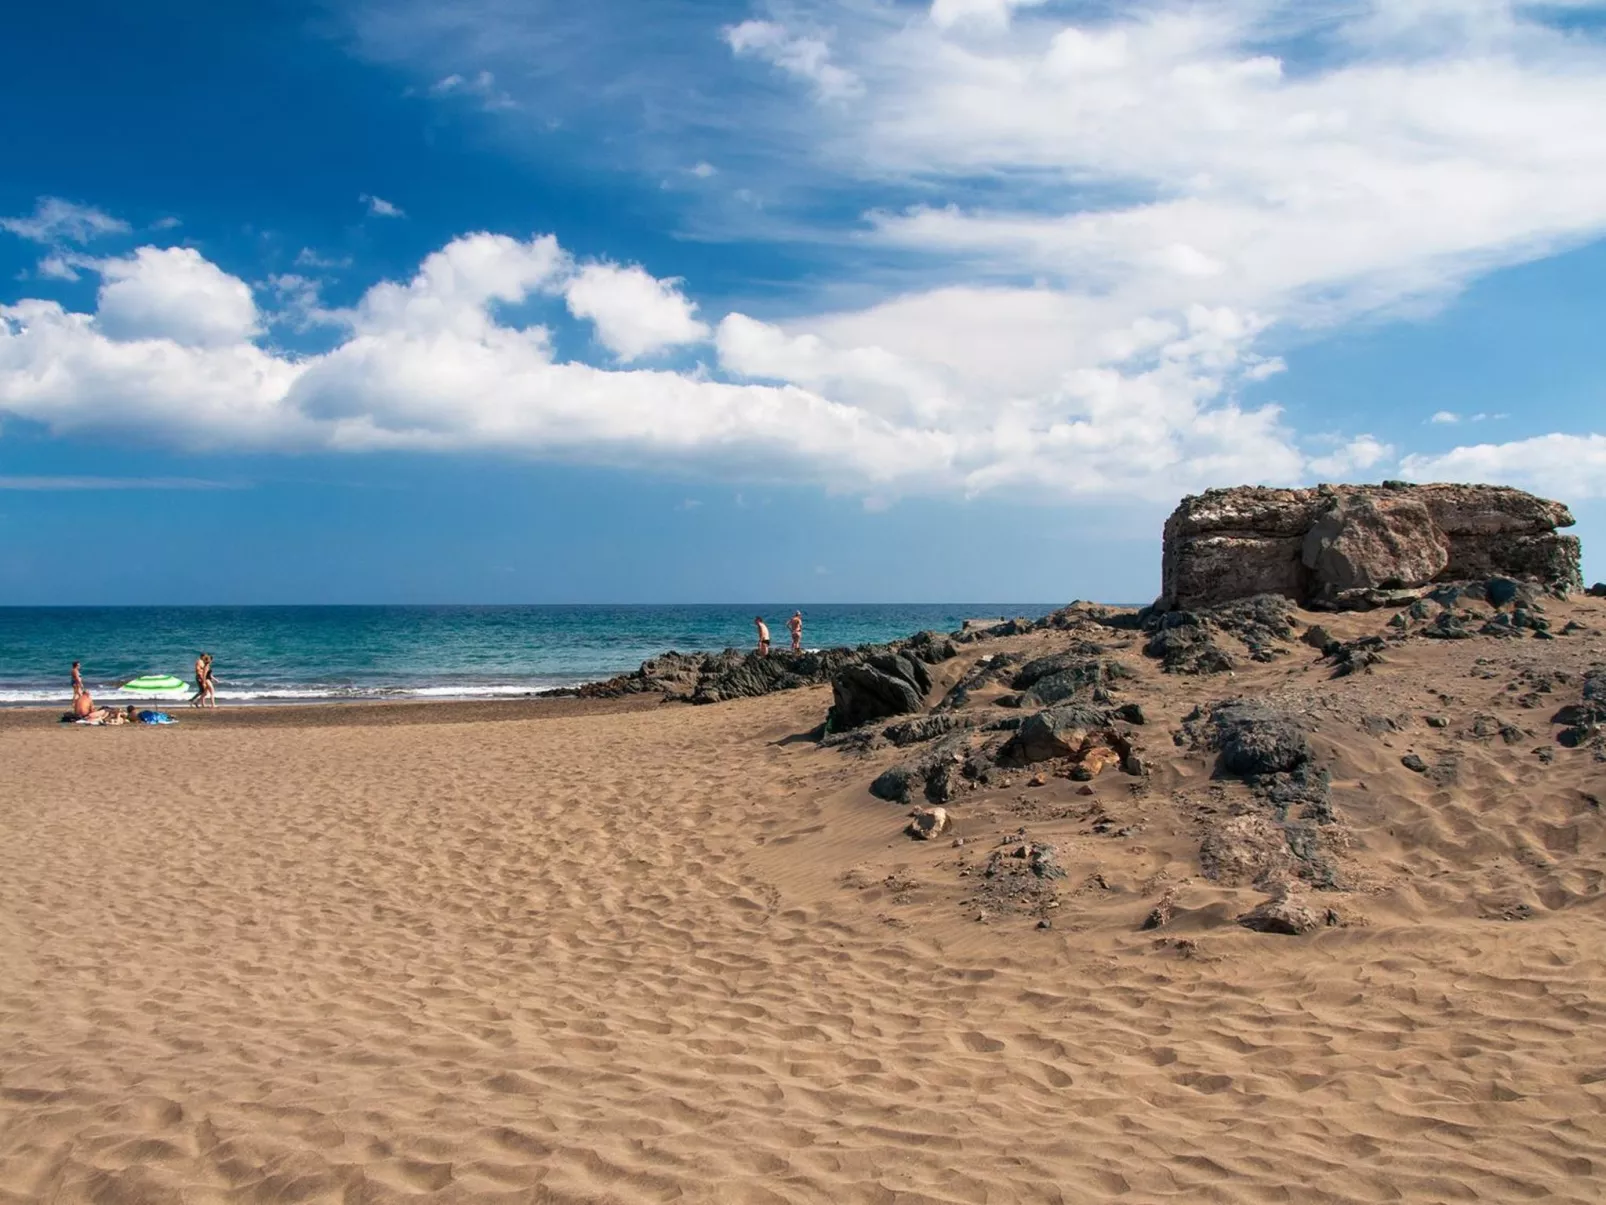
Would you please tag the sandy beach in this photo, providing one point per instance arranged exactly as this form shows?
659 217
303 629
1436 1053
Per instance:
625 951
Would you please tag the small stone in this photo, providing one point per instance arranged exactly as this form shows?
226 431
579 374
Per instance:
1045 923
1438 721
1036 780
1412 762
1084 790
926 824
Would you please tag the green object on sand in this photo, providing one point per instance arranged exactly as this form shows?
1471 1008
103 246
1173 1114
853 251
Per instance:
156 684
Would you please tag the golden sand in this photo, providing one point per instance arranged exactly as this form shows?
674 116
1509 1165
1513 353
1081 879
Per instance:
533 953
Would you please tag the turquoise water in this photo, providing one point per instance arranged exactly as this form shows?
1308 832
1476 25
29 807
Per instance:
285 654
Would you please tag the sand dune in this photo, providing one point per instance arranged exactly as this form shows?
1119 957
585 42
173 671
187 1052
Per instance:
670 954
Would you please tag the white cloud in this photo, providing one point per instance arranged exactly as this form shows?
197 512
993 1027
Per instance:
635 314
58 267
1356 456
1445 417
426 365
1556 465
379 207
991 13
703 170
308 258
174 293
58 221
805 56
482 86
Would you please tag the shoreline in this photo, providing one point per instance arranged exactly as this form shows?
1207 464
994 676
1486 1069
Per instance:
323 713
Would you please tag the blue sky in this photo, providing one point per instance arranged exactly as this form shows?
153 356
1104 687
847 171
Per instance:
851 301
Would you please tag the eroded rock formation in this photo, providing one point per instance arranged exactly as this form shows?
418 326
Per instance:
1335 543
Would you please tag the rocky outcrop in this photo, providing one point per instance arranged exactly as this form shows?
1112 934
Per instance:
883 685
1334 544
735 674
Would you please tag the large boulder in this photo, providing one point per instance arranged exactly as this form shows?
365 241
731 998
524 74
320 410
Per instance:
1363 542
1053 733
1255 740
861 694
1314 545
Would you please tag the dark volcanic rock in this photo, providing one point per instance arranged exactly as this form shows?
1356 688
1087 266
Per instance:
1254 740
923 728
1181 643
1079 678
1042 667
867 692
1344 544
1053 733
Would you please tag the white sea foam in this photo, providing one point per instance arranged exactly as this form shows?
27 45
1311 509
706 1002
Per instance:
310 693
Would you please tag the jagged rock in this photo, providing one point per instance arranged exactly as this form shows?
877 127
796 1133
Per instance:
1132 713
1052 733
1255 741
1042 667
884 685
893 785
1287 912
1414 763
1080 678
923 728
1318 637
1446 625
927 824
1182 645
1334 541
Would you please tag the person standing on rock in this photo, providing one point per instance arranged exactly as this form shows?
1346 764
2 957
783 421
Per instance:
763 636
795 626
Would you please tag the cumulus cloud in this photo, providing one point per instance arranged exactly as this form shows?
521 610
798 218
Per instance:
635 314
381 208
174 293
808 57
1557 465
57 221
1445 417
1113 206
427 364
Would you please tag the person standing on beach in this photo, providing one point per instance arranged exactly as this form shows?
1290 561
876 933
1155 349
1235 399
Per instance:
203 681
763 636
211 683
795 626
77 681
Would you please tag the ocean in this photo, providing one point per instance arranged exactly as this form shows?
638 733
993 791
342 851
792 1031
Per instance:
305 654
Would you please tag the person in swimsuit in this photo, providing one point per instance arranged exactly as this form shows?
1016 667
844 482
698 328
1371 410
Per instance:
211 683
795 626
763 636
203 678
77 681
83 707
